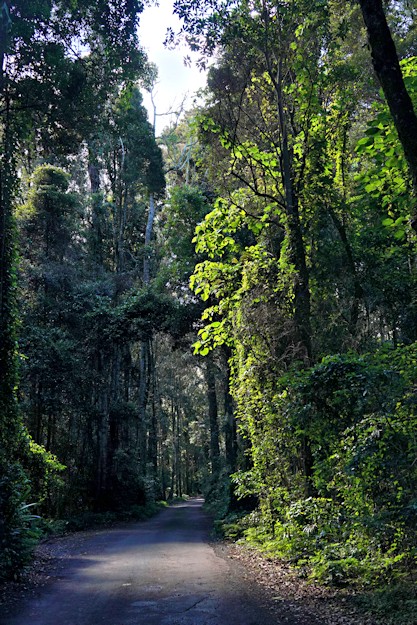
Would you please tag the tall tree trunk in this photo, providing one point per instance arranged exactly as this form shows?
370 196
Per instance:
127 373
178 453
153 422
120 244
8 360
188 466
302 308
113 438
213 415
106 390
148 238
96 207
144 387
150 220
12 444
102 405
387 68
230 421
357 287
174 448
145 348
302 305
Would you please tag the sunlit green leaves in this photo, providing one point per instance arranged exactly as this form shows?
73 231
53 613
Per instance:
211 336
386 176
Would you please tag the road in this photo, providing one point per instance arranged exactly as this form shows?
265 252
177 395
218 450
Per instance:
163 571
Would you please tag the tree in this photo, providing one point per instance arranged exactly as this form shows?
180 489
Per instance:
293 125
47 224
41 82
388 70
272 129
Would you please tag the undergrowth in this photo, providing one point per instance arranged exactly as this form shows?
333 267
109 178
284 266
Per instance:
394 604
88 519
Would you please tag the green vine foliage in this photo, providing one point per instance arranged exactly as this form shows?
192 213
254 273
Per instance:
46 482
14 546
386 177
356 411
17 538
351 518
35 478
360 415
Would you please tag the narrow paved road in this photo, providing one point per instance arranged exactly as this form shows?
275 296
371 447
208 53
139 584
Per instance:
161 572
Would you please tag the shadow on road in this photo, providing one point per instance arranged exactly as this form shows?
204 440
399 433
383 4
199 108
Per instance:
159 572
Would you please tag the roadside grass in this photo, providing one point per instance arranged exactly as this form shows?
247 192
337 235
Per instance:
386 602
393 604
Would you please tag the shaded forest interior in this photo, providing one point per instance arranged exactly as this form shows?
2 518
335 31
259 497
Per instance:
228 308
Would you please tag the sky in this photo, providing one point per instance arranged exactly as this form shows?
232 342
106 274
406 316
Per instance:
175 80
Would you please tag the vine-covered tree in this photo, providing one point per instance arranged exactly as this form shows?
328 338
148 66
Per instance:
309 254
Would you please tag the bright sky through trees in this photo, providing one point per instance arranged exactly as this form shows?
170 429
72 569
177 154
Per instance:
175 80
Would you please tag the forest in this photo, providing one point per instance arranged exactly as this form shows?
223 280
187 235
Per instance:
229 308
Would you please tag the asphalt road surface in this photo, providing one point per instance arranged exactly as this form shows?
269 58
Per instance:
161 572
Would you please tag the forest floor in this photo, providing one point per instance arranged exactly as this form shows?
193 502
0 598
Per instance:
166 570
282 584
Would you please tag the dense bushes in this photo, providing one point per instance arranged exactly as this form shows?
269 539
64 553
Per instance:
358 415
28 487
17 536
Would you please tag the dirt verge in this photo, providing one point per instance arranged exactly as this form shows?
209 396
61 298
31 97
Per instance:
282 584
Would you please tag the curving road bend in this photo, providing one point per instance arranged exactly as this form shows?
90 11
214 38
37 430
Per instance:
161 572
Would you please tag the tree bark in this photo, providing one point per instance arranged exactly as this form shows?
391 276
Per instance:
10 426
96 202
174 448
153 422
178 453
5 23
302 296
388 70
101 401
230 421
357 287
302 306
148 236
213 416
142 404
